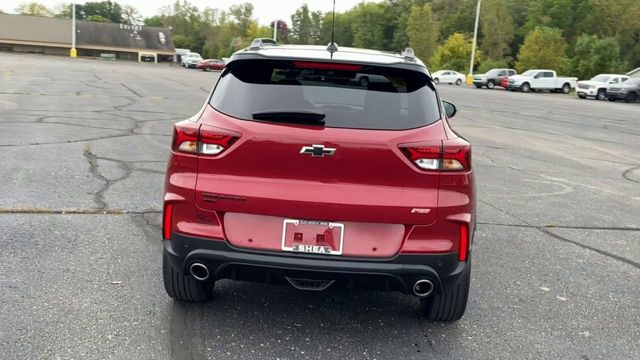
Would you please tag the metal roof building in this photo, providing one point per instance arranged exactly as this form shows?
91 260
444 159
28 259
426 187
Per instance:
22 33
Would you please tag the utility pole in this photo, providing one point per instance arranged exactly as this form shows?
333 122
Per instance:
73 52
275 31
473 47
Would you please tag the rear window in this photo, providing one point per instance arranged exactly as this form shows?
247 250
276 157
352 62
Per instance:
350 96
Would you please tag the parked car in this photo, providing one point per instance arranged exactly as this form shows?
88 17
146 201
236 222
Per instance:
541 80
492 78
180 53
597 87
191 60
315 186
365 79
210 64
448 76
629 91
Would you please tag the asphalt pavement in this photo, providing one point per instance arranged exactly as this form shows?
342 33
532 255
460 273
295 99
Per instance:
83 150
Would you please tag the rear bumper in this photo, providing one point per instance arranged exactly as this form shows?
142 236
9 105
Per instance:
397 273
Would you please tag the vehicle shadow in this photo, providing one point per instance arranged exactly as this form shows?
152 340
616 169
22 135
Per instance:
273 321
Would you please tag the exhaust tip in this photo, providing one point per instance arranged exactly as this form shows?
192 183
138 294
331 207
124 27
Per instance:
199 271
423 288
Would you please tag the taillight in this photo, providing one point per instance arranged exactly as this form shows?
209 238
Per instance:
445 155
190 137
463 243
167 221
185 137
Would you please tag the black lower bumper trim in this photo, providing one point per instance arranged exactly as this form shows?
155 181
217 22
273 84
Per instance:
397 273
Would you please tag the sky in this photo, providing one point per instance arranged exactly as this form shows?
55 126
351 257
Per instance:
264 10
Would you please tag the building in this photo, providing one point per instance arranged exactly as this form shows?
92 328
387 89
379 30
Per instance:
43 35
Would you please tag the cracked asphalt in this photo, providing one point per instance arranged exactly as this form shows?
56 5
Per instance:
84 145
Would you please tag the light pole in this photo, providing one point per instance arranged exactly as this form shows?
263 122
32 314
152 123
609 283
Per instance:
73 52
473 46
275 31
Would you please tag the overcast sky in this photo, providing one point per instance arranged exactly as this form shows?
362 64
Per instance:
264 10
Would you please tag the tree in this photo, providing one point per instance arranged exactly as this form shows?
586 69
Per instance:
398 12
343 29
242 14
455 54
422 31
619 19
301 26
454 16
157 21
543 48
568 15
112 11
33 8
97 18
498 28
594 55
368 26
131 15
283 30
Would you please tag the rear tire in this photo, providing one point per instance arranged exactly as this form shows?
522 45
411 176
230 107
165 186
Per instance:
602 94
458 82
183 287
566 88
490 84
449 305
436 81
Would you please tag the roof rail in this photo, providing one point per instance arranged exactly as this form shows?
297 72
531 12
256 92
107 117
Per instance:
259 43
408 54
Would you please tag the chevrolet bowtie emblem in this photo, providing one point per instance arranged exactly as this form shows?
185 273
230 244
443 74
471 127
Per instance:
317 151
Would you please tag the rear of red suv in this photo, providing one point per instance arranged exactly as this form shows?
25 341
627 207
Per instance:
296 171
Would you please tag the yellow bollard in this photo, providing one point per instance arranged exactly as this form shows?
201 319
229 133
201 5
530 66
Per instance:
73 53
470 79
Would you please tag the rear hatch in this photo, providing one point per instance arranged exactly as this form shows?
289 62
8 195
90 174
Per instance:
307 140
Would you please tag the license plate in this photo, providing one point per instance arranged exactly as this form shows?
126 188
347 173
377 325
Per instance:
315 237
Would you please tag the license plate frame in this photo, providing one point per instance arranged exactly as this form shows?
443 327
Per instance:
312 249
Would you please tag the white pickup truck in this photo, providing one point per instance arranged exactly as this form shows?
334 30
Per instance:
541 80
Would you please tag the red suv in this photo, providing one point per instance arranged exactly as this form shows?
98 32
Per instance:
295 172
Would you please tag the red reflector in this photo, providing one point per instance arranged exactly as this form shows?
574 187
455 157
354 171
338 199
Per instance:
463 246
167 221
326 66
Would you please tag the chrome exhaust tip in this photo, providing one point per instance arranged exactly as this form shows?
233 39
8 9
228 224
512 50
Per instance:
423 288
199 271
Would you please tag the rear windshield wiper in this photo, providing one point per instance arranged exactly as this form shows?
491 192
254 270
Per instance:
291 116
